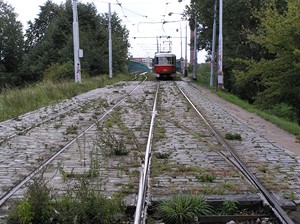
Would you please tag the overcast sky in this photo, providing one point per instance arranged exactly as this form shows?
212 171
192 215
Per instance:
143 19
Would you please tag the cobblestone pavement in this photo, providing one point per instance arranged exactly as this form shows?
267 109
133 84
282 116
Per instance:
185 154
276 167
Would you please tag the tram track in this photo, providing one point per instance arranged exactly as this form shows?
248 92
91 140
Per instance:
148 145
24 123
278 211
229 155
32 171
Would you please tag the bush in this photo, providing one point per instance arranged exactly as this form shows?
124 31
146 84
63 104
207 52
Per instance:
283 111
182 209
228 208
233 136
80 205
58 72
36 207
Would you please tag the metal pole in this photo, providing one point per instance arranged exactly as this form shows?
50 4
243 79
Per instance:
185 64
181 58
109 42
213 56
77 68
195 51
220 56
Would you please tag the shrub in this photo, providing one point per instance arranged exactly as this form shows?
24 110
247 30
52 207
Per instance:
233 136
36 207
57 72
228 208
182 209
83 204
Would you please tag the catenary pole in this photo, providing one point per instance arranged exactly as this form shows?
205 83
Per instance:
213 56
185 63
181 58
195 51
220 54
109 42
77 68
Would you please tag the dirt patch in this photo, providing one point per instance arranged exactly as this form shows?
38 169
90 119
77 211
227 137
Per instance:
269 130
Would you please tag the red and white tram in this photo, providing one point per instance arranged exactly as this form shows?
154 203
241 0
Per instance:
164 64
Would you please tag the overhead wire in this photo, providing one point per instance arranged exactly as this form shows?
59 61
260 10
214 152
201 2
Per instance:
126 10
119 4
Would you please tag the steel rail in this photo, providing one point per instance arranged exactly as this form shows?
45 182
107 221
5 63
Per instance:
12 191
141 207
51 118
34 126
276 208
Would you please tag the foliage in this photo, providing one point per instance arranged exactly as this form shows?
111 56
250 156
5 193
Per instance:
261 50
36 207
79 205
236 17
206 177
49 42
228 208
291 127
11 46
276 79
88 206
111 144
15 102
203 76
182 208
233 136
59 72
281 115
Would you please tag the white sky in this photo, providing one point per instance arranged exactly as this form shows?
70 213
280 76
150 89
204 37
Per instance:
143 19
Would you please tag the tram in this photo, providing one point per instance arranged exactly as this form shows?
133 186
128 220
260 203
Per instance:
164 64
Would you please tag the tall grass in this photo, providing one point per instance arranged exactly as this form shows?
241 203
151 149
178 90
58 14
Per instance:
81 204
14 102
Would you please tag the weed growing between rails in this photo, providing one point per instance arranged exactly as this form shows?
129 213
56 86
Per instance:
189 208
80 201
182 208
114 137
81 204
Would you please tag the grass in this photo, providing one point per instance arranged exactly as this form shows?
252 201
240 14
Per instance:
228 208
203 80
233 136
288 126
183 208
82 204
14 102
206 177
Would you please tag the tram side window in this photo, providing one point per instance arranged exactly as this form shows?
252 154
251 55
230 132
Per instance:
171 60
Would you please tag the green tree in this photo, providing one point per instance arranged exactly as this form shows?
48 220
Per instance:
11 46
40 50
120 43
37 29
277 78
50 40
237 16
